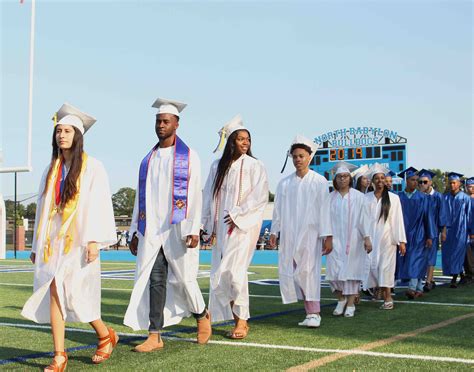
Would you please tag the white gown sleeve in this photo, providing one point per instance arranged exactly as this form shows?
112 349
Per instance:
208 200
396 221
364 218
134 223
323 211
250 211
98 215
39 208
276 218
192 224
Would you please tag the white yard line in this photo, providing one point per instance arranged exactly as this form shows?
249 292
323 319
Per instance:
270 346
270 296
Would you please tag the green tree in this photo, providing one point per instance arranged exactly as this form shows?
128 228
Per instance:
123 201
439 180
10 209
30 211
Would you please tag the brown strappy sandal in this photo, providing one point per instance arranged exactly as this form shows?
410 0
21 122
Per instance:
241 330
55 366
111 338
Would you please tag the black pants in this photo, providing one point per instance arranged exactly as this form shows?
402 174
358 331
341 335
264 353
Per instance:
158 278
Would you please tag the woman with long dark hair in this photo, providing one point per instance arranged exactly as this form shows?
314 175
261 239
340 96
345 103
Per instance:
235 197
74 219
387 232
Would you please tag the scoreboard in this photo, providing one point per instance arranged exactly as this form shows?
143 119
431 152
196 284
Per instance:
361 146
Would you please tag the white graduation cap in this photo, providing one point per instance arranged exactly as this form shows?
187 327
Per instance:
230 127
299 139
377 168
343 167
70 115
167 106
359 172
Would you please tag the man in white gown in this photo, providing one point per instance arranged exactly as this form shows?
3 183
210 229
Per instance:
165 235
300 218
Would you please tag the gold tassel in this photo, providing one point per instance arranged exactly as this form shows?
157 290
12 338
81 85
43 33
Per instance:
55 119
220 146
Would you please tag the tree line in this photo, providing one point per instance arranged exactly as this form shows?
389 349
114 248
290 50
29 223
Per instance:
123 200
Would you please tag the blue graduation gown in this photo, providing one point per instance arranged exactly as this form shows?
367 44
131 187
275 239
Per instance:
438 211
419 226
458 224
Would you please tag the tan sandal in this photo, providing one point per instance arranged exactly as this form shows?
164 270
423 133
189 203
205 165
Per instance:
55 366
240 330
111 338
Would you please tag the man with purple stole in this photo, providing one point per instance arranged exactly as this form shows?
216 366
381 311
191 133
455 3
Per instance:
420 231
438 211
460 223
165 235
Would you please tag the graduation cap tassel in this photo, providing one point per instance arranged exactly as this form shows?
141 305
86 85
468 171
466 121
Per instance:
55 119
220 145
286 161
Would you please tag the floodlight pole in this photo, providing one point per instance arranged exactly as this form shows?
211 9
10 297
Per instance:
30 88
14 222
28 167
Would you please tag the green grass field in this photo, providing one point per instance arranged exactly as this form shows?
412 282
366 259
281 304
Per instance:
275 342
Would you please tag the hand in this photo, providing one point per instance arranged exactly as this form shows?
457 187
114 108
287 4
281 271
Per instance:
327 245
92 252
33 257
367 245
228 220
429 243
134 245
192 241
273 240
402 249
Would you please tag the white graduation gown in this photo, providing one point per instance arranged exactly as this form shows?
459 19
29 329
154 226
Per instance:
78 282
350 224
3 228
385 238
232 254
183 295
301 217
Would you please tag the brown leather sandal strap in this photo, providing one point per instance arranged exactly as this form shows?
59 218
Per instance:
102 354
103 344
104 338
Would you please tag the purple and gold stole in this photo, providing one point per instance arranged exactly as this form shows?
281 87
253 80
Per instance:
179 204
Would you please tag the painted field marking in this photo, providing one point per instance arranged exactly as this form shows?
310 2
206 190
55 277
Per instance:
276 296
168 336
372 345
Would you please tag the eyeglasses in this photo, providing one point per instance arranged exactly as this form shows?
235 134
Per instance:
422 182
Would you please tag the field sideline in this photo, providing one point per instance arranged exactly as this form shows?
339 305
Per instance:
432 333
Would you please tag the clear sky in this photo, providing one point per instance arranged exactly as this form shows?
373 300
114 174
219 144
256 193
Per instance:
288 67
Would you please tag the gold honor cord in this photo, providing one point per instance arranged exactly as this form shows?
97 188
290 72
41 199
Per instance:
68 213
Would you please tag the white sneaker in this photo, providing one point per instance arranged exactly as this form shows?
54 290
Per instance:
314 320
304 323
339 310
350 310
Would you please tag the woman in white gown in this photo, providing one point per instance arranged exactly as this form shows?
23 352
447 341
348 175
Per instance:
235 196
74 219
348 263
387 231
